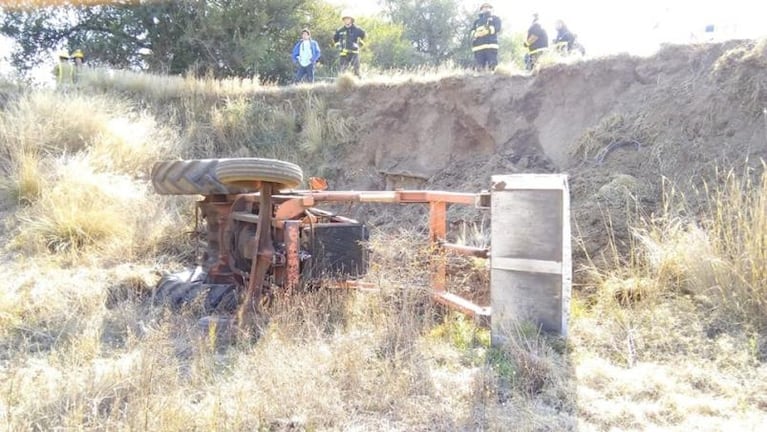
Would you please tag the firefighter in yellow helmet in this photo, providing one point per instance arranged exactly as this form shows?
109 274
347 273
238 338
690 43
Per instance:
79 63
484 38
78 56
64 71
349 38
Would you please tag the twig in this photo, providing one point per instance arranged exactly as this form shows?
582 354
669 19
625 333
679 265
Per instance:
602 154
764 113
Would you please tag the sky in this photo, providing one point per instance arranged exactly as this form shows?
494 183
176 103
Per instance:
609 27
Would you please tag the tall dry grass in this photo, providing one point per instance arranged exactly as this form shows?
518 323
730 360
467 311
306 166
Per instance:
327 360
75 169
83 349
669 339
157 88
718 253
677 325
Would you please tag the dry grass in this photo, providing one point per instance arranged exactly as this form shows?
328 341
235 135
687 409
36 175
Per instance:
328 360
671 338
74 164
83 212
612 131
421 74
740 66
721 255
678 328
167 87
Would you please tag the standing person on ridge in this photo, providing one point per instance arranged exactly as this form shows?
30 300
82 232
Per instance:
484 38
564 39
349 38
306 52
64 71
79 64
537 43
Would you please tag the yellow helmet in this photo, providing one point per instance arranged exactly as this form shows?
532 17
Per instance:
63 54
78 54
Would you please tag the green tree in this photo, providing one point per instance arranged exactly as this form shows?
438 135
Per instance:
223 37
436 28
386 46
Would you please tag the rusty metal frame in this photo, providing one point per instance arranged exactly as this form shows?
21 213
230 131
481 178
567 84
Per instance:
290 206
285 217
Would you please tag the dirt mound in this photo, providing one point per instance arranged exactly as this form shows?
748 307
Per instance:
618 126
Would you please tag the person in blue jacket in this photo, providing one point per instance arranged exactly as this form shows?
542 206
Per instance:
306 52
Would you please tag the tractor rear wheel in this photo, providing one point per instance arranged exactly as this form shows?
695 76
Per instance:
177 291
250 172
191 177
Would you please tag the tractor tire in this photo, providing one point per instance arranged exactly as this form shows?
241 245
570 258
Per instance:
191 177
244 171
179 292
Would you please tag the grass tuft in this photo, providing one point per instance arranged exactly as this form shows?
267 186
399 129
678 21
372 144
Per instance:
346 82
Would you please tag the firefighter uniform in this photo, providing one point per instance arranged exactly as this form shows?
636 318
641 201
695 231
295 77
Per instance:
349 38
484 38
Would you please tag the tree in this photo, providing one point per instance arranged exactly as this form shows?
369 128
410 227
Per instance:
386 46
223 37
435 27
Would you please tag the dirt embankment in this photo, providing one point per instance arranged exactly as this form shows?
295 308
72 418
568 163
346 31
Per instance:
618 126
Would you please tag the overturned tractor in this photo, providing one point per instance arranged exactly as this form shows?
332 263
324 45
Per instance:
251 254
265 236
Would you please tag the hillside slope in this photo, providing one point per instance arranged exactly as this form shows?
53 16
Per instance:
670 335
619 126
706 101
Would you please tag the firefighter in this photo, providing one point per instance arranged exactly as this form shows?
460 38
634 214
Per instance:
349 39
64 71
537 43
484 38
564 40
79 58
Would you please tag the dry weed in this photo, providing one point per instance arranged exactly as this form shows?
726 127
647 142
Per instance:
166 87
613 131
346 82
420 74
55 122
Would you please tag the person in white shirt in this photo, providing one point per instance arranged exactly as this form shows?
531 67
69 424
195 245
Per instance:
306 52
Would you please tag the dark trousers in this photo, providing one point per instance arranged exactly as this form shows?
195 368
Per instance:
486 58
531 58
305 73
350 60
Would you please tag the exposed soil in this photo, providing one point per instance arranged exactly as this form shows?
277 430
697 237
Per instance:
618 126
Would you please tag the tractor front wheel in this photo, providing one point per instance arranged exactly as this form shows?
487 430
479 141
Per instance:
251 172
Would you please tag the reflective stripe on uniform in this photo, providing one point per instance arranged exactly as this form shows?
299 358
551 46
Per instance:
483 47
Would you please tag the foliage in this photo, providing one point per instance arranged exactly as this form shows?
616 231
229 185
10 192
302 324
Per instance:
223 38
436 28
387 47
511 49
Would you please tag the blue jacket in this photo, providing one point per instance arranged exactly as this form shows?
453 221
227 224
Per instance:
315 50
